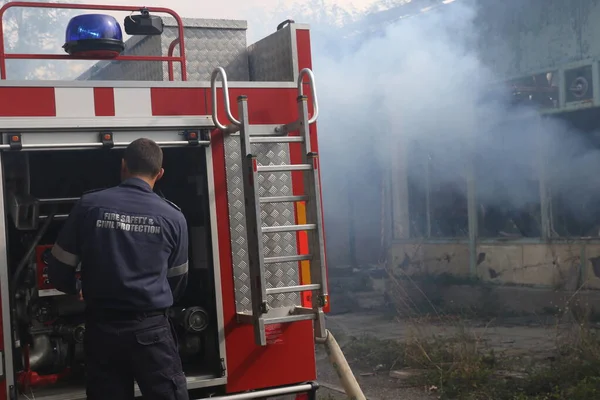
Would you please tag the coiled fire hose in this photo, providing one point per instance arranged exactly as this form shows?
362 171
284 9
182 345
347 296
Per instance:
341 367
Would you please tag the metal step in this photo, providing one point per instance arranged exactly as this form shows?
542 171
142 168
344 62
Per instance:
284 168
293 289
276 139
288 228
298 314
286 259
283 199
289 318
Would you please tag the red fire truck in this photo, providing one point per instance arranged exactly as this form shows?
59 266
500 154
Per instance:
241 161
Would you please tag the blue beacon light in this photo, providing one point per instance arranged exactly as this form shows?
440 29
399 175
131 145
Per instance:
94 36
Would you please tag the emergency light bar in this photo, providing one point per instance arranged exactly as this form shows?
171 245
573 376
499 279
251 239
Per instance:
94 36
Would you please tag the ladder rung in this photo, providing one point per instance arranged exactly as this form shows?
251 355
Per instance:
288 228
277 139
284 259
283 199
283 168
289 318
293 289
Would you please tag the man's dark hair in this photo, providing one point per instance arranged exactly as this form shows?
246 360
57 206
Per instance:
143 157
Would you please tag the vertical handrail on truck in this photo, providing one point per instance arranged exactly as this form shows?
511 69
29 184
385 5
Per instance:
68 6
172 46
313 92
294 126
213 84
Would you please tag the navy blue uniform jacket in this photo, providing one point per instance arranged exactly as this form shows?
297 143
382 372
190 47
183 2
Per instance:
132 245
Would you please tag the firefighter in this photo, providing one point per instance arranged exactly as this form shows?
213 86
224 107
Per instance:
133 249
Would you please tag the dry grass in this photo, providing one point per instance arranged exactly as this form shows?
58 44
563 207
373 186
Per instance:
462 366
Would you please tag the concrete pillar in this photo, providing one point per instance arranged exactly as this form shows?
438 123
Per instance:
545 198
472 213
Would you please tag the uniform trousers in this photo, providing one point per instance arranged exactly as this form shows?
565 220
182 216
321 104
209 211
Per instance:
123 347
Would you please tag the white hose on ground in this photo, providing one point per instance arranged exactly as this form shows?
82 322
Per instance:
339 363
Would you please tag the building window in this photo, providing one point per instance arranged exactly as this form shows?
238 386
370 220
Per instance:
507 181
573 185
437 193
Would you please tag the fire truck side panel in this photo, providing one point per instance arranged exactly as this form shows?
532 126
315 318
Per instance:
250 365
304 60
291 359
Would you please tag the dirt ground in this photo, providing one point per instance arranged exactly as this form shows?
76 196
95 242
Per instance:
528 338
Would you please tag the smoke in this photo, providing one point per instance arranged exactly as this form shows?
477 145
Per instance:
419 90
415 81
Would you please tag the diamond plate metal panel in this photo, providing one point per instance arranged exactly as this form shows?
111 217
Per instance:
208 44
270 59
130 70
207 49
275 244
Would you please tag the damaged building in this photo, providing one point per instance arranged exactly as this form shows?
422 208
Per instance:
545 54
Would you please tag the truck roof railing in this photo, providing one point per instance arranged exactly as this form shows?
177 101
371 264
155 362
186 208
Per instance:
235 124
213 84
313 91
180 41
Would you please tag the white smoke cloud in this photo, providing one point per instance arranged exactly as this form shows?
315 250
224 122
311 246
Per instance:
416 81
422 80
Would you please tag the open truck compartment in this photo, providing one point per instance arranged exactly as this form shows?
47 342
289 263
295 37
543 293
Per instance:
48 325
237 127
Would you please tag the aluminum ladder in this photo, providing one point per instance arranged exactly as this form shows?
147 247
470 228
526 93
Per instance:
262 315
